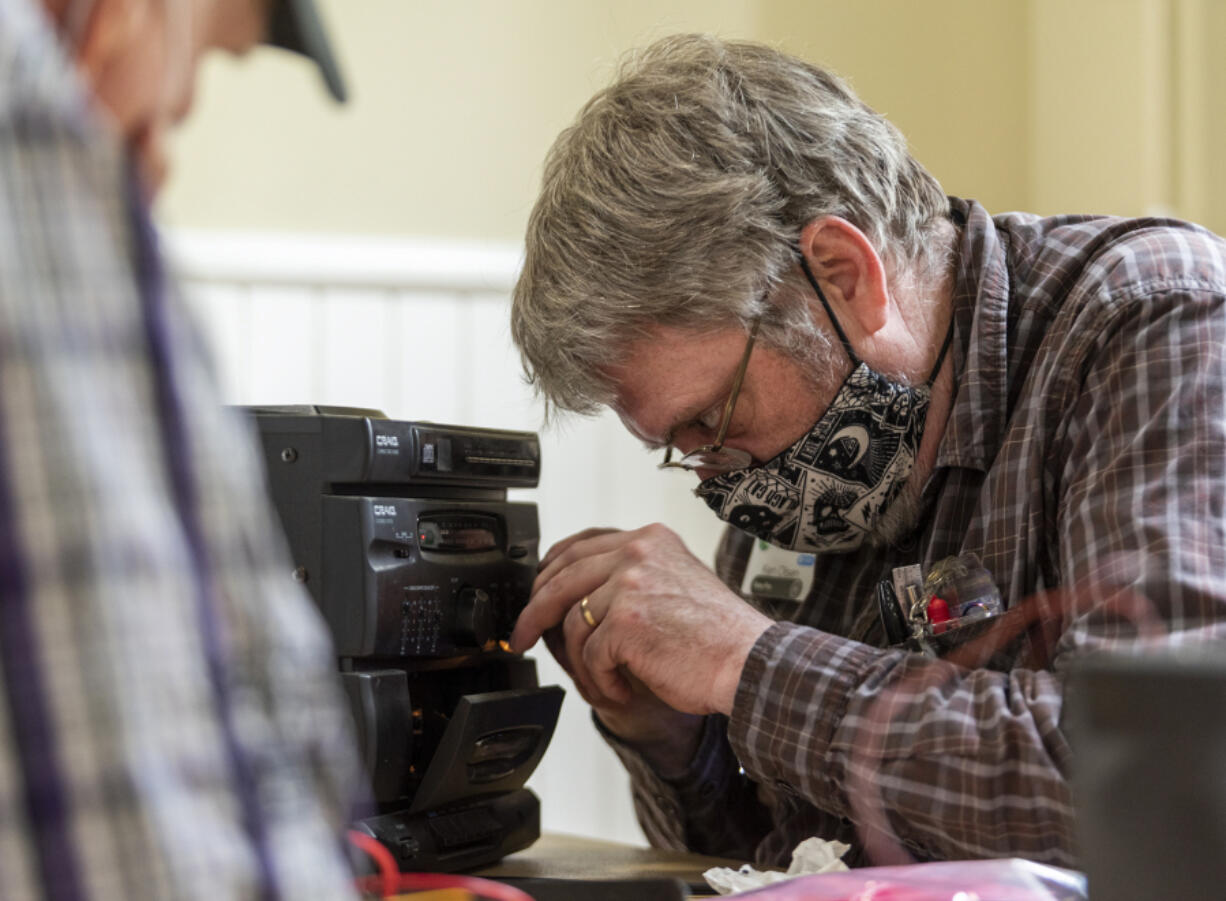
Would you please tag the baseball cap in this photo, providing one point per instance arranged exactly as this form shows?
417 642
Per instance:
295 25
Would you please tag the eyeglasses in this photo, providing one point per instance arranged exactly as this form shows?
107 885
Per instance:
716 457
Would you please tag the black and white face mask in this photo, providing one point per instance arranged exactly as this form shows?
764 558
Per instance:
828 491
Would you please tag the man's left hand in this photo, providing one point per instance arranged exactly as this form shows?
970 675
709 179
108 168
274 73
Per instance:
660 613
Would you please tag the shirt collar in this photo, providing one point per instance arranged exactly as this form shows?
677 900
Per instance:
974 431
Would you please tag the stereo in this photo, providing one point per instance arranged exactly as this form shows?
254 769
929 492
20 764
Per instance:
404 536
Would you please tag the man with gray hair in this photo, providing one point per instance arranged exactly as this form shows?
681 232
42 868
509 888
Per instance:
170 722
741 259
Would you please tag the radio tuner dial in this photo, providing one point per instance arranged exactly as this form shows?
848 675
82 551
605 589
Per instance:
472 618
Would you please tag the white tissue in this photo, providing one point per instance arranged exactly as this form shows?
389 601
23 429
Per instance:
813 855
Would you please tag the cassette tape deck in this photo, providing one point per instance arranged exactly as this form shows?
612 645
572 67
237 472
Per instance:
404 536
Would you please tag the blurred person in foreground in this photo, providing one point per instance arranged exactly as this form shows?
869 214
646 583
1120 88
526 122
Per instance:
169 722
920 379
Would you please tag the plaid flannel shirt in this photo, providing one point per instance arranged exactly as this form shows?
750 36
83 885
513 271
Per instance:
1084 461
170 721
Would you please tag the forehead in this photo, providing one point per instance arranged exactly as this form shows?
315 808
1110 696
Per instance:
671 373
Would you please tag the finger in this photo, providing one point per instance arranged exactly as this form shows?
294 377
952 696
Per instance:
602 664
551 602
577 633
556 643
600 543
560 546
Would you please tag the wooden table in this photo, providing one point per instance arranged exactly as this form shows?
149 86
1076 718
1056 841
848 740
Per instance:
570 857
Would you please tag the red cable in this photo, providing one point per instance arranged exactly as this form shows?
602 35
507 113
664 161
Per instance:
389 873
394 882
482 888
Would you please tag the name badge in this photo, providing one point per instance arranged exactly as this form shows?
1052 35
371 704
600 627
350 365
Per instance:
773 572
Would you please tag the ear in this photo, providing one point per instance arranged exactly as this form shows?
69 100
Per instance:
849 270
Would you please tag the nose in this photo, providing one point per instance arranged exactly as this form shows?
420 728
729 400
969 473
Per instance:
687 439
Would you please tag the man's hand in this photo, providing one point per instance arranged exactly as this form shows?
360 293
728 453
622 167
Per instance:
663 619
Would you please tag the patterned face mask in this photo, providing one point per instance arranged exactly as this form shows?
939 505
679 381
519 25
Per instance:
827 491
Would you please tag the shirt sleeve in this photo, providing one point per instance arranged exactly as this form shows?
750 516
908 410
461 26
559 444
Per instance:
959 762
171 723
712 808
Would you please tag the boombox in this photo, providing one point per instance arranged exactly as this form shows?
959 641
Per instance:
404 535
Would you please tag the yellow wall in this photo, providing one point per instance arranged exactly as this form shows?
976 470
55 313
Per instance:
950 73
1048 105
455 104
1199 129
1102 129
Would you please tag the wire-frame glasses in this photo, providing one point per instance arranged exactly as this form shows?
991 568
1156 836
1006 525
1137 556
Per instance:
715 457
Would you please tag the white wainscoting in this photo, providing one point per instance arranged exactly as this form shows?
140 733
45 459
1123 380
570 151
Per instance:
419 329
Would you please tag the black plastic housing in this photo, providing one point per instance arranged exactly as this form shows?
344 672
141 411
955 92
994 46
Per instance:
404 536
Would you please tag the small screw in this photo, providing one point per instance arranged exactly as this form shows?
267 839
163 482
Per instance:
300 574
289 455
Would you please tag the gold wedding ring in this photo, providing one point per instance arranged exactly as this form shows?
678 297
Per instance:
587 612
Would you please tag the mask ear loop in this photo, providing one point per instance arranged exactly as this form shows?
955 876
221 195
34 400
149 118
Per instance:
949 339
821 295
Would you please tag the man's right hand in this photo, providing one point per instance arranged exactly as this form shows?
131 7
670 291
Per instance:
663 643
666 737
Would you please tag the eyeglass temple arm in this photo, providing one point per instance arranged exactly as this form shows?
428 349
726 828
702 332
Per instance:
726 419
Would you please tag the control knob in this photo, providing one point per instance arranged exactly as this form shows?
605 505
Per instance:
471 620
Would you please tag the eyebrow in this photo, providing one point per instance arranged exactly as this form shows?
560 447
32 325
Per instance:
648 443
686 419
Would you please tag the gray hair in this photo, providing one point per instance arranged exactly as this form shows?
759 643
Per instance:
677 198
